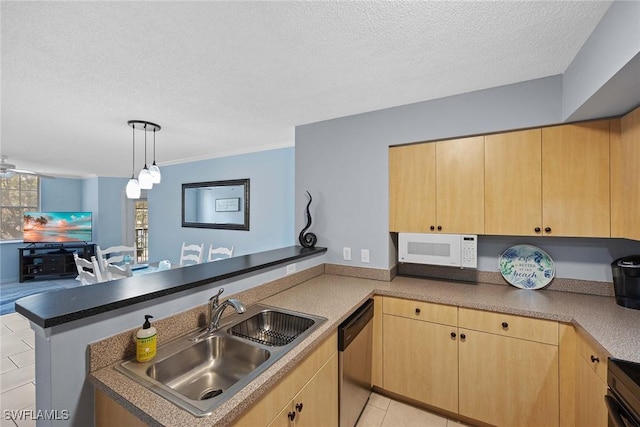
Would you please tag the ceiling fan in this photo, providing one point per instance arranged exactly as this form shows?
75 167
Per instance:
7 170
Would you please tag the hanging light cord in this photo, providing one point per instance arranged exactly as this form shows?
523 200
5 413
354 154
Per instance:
133 156
154 145
145 146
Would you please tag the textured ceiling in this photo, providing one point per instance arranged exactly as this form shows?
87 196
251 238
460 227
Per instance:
231 77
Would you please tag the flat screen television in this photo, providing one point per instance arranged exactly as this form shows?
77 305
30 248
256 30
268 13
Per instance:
56 227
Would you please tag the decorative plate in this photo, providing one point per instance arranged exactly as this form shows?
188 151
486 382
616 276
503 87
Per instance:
527 267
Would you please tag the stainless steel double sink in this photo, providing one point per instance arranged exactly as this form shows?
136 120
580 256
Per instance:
198 372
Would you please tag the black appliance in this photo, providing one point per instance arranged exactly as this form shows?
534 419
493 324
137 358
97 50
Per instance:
626 281
623 395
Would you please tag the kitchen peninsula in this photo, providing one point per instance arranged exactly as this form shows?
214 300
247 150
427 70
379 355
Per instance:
67 321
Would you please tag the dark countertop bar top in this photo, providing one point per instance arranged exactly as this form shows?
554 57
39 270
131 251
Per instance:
56 308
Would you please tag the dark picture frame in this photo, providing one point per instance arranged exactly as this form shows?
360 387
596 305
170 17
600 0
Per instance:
216 204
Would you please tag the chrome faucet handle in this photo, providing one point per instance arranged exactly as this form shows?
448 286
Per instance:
214 300
213 304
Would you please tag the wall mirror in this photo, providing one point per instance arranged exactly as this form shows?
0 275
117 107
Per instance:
216 204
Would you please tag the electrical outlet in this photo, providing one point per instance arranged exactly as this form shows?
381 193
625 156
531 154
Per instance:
291 268
346 254
364 255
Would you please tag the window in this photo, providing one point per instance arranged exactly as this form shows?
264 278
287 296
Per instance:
142 230
20 194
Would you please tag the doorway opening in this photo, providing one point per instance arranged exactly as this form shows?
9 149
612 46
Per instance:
142 230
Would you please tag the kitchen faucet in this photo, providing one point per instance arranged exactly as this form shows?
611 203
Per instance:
216 309
214 312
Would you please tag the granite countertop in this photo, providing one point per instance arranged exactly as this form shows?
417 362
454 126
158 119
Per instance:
606 324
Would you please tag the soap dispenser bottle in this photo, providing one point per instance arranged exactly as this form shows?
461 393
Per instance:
146 341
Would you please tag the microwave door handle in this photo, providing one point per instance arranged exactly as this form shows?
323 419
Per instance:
614 411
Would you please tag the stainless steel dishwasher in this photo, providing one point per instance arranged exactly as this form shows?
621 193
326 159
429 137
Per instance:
355 336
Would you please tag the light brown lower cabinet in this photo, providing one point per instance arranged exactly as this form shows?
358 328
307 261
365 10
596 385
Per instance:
495 368
591 385
508 381
313 384
498 369
590 391
316 405
421 361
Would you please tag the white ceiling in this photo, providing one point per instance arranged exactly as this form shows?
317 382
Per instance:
233 77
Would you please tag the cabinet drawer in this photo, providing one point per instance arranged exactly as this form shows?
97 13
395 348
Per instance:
421 310
595 357
52 268
54 260
544 331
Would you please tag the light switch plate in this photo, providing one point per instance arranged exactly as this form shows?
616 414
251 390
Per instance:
364 255
346 254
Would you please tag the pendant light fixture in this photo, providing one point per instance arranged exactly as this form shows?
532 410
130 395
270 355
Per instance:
145 178
133 187
154 169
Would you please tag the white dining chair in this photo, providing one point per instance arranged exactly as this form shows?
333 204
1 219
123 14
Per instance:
191 254
116 254
216 254
109 257
114 272
88 271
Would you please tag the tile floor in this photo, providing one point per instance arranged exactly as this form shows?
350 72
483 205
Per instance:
17 368
384 412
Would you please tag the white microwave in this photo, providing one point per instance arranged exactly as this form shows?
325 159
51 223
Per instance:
455 250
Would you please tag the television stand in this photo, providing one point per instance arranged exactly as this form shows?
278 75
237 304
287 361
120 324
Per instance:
40 262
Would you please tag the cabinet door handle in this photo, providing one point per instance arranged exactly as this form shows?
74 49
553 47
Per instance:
291 416
417 311
595 359
439 228
453 334
299 407
537 229
432 228
463 337
505 325
547 229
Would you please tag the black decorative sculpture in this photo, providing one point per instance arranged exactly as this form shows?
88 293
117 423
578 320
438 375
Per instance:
308 240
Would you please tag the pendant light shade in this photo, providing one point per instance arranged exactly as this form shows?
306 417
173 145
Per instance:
133 189
156 176
145 179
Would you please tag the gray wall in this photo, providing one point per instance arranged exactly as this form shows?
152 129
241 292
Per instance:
106 199
601 61
271 204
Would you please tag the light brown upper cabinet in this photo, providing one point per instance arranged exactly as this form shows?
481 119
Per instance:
617 188
435 187
552 181
575 180
412 185
513 183
630 176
